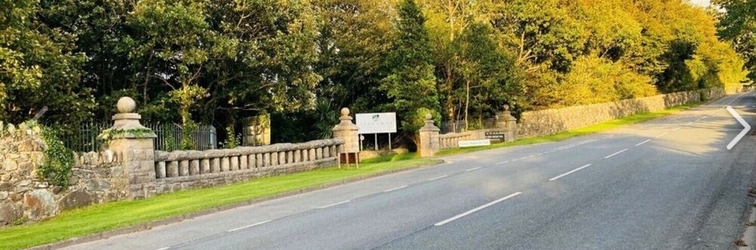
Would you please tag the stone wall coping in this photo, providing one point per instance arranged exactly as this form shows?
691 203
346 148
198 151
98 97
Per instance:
664 96
91 160
208 176
181 155
455 135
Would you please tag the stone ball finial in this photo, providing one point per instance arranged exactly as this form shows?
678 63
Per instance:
506 107
126 105
344 112
428 116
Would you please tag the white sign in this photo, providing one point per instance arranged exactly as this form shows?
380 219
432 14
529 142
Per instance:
474 143
376 123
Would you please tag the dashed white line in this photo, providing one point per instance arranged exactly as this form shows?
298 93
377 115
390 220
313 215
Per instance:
439 177
394 189
240 228
688 124
165 248
662 134
676 129
515 160
472 169
643 142
539 154
704 117
476 209
334 204
571 171
612 155
503 162
733 100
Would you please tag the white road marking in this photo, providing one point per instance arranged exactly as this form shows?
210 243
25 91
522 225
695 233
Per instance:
165 248
476 209
515 160
439 177
662 134
688 124
704 117
472 169
240 228
394 189
539 154
676 129
643 142
334 204
503 162
612 155
733 100
572 171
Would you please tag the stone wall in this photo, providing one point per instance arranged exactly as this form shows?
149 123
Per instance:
179 170
21 194
552 121
100 177
95 178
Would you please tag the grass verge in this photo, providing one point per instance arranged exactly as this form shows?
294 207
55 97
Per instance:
110 216
578 132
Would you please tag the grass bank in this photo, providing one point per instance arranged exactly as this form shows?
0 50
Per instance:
578 132
100 218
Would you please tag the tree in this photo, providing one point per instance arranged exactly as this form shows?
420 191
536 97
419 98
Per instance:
737 25
272 66
410 84
490 76
38 68
352 47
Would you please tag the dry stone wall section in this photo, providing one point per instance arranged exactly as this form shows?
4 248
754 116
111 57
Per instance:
95 178
552 121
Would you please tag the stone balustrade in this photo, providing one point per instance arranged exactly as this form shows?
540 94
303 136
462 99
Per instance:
451 140
180 170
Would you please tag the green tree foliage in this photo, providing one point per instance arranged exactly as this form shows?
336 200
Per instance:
219 62
737 25
410 84
352 45
490 76
38 67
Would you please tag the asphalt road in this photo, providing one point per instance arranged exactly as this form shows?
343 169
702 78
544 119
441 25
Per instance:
664 184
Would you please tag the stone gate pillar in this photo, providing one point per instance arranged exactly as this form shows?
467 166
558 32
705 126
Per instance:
429 140
349 132
510 131
134 143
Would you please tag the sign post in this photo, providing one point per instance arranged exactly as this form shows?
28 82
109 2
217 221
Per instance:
377 123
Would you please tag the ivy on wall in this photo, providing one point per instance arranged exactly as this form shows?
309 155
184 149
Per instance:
56 169
58 160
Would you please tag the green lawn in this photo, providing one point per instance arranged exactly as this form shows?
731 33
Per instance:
578 132
104 217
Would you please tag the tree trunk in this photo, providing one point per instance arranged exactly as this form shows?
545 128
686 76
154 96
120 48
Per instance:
467 104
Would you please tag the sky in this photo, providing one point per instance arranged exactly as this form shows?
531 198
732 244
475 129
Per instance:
704 3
